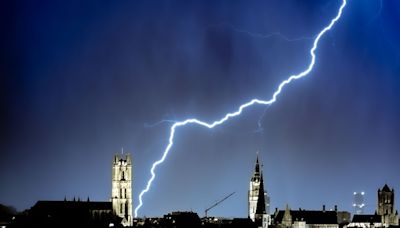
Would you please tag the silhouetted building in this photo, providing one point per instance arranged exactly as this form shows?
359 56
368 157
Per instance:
242 222
366 221
309 218
68 214
7 214
181 220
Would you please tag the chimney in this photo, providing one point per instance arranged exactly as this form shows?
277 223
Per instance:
323 208
336 208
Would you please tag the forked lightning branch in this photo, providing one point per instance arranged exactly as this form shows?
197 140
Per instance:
228 116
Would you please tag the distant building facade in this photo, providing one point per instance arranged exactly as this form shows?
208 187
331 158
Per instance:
366 221
310 218
386 207
121 195
385 215
75 213
257 198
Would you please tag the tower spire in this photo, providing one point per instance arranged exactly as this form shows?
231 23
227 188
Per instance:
257 198
260 209
257 167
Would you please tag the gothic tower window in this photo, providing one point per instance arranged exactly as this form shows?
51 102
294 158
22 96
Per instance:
121 187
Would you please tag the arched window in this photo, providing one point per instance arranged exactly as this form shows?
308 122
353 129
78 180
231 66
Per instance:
125 192
123 175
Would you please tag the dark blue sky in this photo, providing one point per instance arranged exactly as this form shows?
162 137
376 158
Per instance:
79 80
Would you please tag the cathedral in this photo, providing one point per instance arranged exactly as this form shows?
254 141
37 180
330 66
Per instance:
121 195
87 213
258 201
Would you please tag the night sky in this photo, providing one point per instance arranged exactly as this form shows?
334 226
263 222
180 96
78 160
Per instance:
79 80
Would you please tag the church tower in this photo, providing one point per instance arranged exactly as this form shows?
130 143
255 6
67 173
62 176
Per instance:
386 207
257 197
121 197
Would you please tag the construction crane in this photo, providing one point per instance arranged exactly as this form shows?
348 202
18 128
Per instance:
215 204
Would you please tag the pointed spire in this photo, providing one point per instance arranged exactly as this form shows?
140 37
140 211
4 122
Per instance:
386 188
287 218
260 209
287 208
257 168
256 174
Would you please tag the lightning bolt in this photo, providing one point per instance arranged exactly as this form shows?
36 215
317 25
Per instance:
146 125
260 35
260 129
228 116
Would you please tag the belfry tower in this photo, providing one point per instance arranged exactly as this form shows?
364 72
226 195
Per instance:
257 198
386 207
121 196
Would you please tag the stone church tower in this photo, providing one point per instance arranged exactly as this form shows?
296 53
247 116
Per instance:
121 196
386 207
257 198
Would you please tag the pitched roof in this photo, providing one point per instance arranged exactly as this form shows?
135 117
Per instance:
71 205
366 219
310 217
386 188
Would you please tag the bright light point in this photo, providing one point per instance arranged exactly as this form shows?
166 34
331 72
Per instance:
240 109
362 193
354 193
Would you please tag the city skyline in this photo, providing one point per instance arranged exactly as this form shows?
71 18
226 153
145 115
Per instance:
83 80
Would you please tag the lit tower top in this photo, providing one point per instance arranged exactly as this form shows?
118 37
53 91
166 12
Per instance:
386 208
121 195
